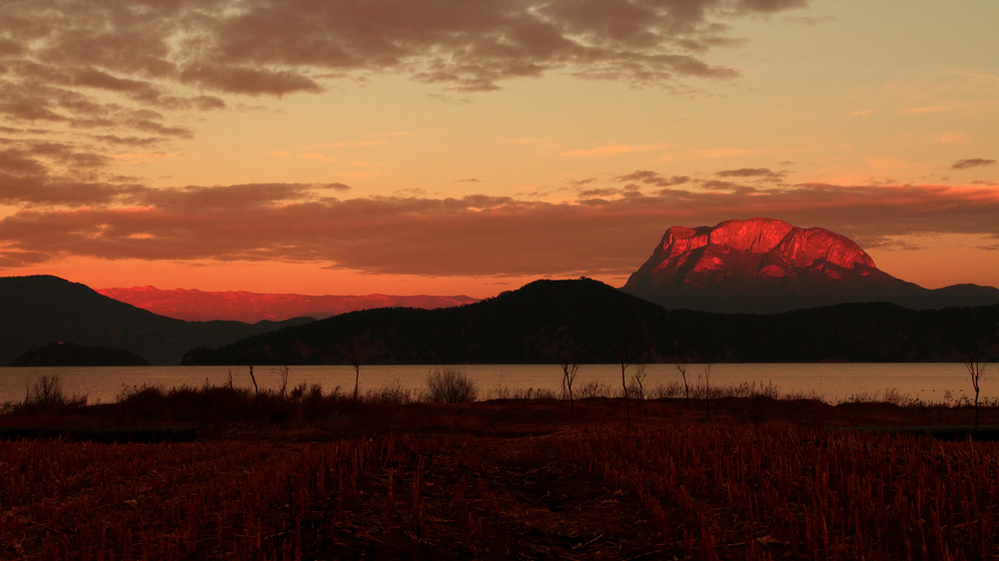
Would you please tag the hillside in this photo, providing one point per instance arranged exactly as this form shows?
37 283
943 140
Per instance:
585 321
39 310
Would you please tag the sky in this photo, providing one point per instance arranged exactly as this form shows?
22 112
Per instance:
471 146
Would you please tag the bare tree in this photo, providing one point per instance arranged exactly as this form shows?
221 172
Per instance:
707 389
256 390
568 377
625 363
357 379
975 369
681 367
283 372
638 379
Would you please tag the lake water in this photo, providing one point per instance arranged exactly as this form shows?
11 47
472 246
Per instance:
833 383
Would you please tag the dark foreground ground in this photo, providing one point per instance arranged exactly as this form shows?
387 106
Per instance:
733 478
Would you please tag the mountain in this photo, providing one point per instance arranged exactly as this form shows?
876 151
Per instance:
763 265
39 310
250 307
585 321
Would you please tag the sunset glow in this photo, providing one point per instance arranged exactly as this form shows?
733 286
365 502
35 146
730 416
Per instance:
455 147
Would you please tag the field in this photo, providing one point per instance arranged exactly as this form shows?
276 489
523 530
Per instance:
731 478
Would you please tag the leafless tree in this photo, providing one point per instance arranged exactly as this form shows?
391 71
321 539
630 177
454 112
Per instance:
638 379
256 390
357 379
707 389
975 369
625 363
283 372
568 377
681 367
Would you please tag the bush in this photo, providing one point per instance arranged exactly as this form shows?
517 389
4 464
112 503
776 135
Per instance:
45 395
450 385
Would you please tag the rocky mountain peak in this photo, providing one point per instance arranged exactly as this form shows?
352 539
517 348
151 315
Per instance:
798 247
757 265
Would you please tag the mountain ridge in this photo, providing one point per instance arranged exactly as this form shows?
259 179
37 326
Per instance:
39 310
763 265
250 307
585 321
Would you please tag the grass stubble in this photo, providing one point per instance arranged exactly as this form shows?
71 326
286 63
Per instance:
308 474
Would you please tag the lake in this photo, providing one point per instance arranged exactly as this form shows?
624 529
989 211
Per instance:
929 382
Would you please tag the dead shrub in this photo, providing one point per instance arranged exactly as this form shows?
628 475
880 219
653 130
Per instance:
450 385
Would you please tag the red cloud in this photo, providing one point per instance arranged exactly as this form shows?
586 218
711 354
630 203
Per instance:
476 235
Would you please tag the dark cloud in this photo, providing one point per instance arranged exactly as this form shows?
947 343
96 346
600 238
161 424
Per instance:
273 47
337 186
599 193
132 141
763 173
652 178
127 71
769 5
581 182
252 81
716 185
972 163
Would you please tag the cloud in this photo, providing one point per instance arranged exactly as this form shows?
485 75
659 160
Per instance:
952 137
605 230
350 144
250 81
156 53
136 73
812 21
616 149
708 154
147 157
931 109
652 178
972 163
762 173
316 156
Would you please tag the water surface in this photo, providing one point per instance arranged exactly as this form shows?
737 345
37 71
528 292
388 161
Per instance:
929 382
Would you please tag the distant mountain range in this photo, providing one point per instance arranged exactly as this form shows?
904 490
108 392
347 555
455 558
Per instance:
766 266
251 307
851 311
585 321
37 311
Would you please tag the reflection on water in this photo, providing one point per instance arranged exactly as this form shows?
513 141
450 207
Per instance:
831 382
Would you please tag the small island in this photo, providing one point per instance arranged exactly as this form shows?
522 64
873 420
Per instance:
71 354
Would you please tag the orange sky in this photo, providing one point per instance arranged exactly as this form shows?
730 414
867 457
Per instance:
448 146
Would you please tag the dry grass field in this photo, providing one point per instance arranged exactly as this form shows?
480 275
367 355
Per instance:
280 477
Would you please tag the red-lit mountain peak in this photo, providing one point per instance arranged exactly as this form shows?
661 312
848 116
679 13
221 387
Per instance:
758 265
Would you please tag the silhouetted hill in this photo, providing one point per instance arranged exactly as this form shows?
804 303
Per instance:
39 310
763 265
71 354
585 321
